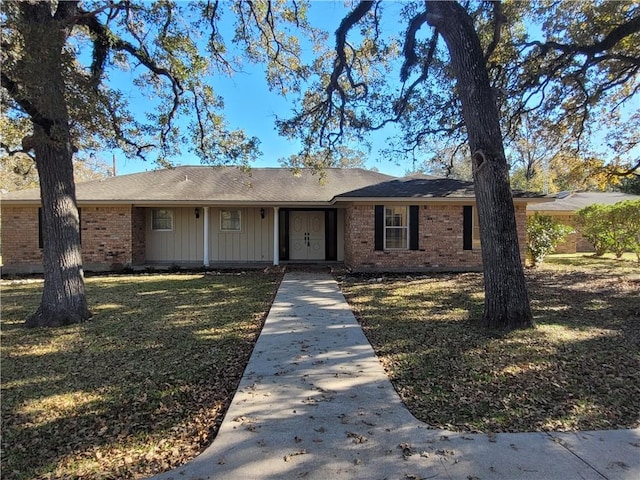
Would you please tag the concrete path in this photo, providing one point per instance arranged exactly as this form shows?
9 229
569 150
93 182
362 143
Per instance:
315 403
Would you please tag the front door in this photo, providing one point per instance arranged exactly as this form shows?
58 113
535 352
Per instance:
306 236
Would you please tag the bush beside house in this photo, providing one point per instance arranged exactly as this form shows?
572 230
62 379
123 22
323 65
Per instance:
612 228
543 236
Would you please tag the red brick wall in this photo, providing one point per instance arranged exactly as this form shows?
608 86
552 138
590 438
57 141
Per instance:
106 237
138 244
574 242
440 241
521 223
108 234
20 239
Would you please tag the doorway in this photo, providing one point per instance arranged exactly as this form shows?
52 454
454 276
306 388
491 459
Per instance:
307 235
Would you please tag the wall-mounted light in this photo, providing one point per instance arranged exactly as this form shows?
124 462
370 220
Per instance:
197 212
262 213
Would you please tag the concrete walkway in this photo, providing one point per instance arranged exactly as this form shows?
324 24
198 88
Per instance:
315 403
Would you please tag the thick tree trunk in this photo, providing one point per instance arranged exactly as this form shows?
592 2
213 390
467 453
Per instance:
63 299
506 302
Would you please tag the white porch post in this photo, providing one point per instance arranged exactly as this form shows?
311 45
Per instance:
205 256
276 236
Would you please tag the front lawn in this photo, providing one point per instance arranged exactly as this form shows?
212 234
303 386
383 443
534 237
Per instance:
578 369
136 390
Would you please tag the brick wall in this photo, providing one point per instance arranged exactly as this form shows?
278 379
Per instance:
574 242
19 231
110 236
440 241
138 239
106 237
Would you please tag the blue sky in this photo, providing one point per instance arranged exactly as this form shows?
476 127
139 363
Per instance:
250 106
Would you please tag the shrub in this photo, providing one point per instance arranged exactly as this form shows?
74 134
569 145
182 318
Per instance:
543 236
627 214
594 226
612 228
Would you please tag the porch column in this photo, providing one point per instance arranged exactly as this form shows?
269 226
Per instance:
205 256
276 236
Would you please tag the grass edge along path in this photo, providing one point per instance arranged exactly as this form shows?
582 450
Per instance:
579 369
140 388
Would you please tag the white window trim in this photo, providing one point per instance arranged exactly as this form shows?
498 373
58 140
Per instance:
171 217
405 227
227 230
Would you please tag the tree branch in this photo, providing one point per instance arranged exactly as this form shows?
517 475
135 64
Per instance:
498 20
26 105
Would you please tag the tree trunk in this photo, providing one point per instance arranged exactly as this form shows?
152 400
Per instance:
63 299
506 303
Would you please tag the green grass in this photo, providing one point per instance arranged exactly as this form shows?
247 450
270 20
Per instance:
607 263
139 388
578 369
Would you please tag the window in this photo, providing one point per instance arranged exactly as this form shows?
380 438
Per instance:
161 219
396 228
230 220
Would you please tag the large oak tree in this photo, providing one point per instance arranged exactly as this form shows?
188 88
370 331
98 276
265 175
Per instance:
60 61
471 73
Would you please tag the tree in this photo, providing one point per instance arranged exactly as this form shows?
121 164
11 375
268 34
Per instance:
18 169
630 184
57 58
340 157
464 79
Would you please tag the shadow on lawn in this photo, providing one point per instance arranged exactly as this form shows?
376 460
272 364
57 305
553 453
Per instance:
159 360
579 369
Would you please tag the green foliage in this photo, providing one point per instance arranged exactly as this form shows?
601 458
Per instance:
630 185
612 228
108 49
543 236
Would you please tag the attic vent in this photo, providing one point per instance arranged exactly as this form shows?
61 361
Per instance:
563 194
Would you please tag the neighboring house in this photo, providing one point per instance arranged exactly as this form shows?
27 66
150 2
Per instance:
564 209
224 216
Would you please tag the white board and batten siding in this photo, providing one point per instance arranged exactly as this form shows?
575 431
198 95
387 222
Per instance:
184 243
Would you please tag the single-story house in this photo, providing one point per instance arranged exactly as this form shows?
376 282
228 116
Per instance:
227 217
564 209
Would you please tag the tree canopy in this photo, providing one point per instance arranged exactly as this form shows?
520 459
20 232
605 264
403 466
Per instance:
564 70
57 62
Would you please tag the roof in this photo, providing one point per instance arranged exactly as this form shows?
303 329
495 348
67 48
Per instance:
573 201
277 186
423 187
203 184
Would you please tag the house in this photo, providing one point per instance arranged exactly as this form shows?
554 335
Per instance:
228 217
564 209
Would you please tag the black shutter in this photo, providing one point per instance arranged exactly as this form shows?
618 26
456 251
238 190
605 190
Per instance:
379 227
40 243
80 224
467 227
414 226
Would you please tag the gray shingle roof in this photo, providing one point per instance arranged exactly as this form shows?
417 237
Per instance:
220 184
573 201
207 184
422 187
